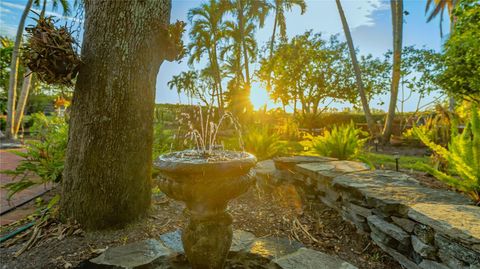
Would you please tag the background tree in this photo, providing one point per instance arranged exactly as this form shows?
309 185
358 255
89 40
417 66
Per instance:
461 76
206 36
12 86
310 71
107 176
397 23
357 71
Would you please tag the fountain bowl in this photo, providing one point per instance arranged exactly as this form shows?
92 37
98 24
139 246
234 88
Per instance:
206 183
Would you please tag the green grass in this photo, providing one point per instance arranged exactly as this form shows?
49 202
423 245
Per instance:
385 161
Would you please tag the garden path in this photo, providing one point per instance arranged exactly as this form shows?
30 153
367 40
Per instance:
9 212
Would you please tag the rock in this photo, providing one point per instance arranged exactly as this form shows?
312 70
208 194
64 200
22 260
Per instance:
405 224
241 240
308 259
456 250
285 163
359 210
173 241
272 247
404 261
451 261
424 233
423 249
456 221
326 171
389 229
428 264
133 255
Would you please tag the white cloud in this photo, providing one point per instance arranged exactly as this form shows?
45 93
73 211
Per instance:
4 10
48 13
7 29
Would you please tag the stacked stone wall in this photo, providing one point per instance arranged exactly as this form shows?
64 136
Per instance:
418 226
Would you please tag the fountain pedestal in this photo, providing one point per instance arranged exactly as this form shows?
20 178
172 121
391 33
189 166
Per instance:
206 188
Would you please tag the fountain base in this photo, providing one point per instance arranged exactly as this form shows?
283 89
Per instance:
207 240
246 251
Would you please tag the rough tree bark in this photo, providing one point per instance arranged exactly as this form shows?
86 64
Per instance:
397 22
358 73
107 176
12 85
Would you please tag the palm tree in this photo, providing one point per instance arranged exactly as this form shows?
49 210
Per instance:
280 7
12 86
397 23
247 14
439 8
206 34
356 67
13 121
184 82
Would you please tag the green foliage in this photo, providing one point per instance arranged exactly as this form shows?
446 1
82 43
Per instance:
263 143
461 76
462 156
344 142
162 140
44 158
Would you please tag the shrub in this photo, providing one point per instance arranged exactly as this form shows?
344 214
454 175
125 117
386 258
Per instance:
462 156
343 142
263 143
44 158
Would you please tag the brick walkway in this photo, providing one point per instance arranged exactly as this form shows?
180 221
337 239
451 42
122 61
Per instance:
9 160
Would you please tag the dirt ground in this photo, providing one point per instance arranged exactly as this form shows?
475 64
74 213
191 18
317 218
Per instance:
278 212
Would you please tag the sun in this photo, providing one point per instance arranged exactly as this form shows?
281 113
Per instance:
259 98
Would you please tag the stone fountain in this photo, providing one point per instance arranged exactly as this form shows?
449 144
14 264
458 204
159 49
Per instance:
206 184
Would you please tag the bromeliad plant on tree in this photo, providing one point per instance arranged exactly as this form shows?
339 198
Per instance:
462 156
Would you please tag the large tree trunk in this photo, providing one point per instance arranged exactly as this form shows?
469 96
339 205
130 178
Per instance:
12 86
22 100
107 176
397 22
358 73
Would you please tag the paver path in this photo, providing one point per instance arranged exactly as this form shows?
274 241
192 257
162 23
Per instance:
8 160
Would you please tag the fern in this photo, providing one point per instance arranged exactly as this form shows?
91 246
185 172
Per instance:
342 142
262 143
462 156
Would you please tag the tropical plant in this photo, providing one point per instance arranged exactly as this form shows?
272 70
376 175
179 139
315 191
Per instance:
43 160
344 142
262 142
397 23
462 156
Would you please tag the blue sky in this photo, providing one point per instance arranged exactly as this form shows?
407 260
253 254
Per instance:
369 20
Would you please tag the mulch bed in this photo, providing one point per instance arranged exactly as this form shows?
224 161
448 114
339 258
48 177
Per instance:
277 212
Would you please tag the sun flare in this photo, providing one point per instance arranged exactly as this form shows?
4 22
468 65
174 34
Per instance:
259 98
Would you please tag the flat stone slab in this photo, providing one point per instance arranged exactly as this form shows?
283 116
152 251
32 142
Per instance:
133 255
308 259
331 169
461 222
285 163
246 251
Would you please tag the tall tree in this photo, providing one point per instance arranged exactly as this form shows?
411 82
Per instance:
280 7
205 36
107 176
247 13
12 86
356 68
397 24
